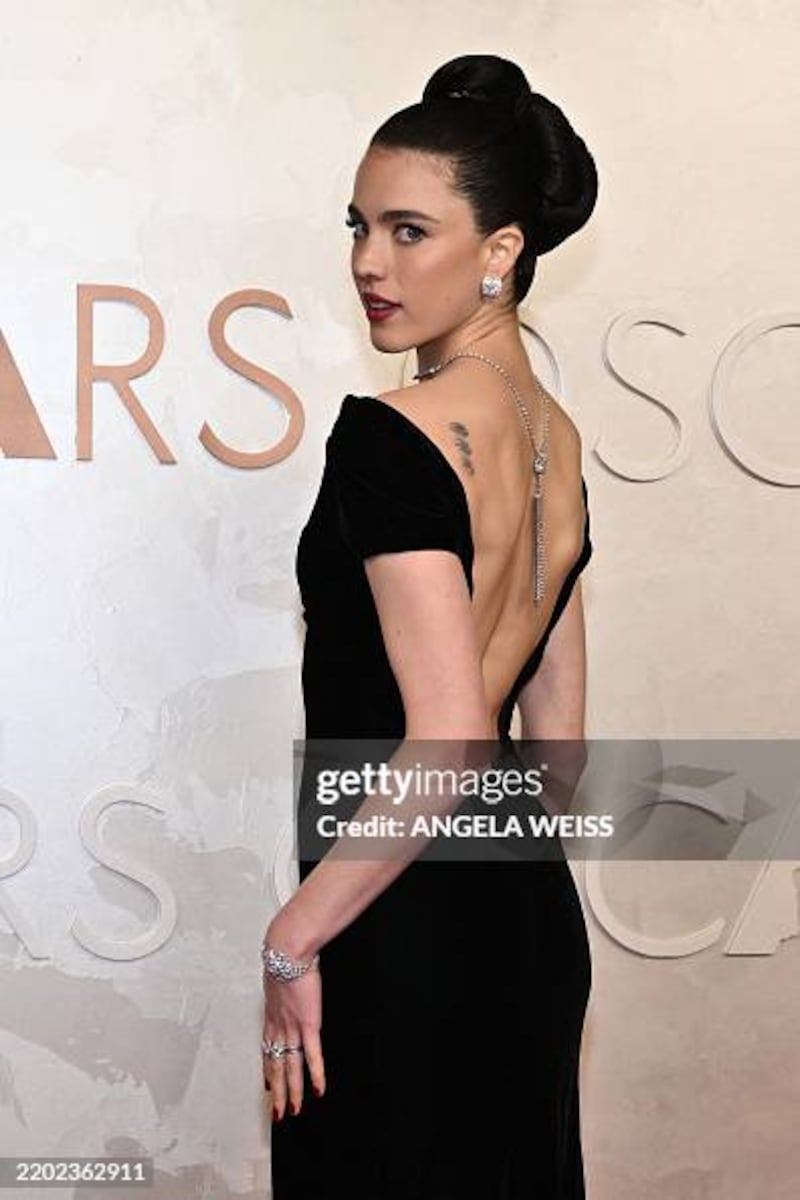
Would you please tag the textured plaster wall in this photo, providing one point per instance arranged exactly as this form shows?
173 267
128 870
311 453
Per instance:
148 612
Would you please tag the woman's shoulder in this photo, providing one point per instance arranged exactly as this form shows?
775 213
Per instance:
394 487
465 422
391 412
492 413
387 431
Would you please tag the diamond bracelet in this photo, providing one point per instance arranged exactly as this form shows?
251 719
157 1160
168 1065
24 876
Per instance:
280 966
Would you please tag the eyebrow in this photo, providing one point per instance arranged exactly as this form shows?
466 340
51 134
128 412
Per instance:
394 214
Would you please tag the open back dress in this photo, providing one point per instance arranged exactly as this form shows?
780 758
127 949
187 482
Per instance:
447 1077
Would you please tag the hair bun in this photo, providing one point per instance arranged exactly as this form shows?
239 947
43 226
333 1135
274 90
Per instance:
560 167
483 77
565 171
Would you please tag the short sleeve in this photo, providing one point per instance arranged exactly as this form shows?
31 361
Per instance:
394 488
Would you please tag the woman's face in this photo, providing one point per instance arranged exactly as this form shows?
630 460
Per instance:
415 244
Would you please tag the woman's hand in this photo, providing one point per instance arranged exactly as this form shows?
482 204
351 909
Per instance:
293 1017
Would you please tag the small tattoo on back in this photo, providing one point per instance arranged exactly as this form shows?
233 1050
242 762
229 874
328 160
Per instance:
462 441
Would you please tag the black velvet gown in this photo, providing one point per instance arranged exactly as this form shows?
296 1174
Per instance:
443 1083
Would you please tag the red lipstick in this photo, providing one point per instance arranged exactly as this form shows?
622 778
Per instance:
378 308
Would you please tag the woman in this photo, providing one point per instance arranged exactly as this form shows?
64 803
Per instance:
439 591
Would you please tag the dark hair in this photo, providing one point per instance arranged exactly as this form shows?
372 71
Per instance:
514 154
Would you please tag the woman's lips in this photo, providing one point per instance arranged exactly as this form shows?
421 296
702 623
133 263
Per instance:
379 312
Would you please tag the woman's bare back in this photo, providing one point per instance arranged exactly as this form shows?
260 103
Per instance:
476 425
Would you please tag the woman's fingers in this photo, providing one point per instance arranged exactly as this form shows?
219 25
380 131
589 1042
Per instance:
314 1059
277 1080
294 1074
283 1076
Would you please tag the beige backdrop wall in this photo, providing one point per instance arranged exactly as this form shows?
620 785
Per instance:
151 638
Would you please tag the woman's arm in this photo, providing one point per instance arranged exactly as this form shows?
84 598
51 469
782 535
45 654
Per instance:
425 612
552 705
428 627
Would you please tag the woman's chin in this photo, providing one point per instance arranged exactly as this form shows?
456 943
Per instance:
392 342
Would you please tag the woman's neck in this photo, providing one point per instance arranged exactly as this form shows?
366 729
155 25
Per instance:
503 343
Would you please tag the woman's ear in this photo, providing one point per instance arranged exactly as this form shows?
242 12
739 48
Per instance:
504 247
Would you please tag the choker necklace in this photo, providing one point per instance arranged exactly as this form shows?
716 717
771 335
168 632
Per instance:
540 453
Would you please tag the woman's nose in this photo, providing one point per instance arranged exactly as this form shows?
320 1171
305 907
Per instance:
369 261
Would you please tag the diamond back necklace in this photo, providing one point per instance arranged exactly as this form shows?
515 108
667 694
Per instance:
540 453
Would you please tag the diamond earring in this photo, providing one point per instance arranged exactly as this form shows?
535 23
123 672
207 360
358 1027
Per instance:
491 286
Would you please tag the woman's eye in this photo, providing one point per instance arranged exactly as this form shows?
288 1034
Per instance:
417 234
416 230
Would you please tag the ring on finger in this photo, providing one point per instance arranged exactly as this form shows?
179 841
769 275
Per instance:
278 1049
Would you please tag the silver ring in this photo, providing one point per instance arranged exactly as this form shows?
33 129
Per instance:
278 1049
